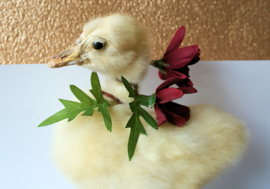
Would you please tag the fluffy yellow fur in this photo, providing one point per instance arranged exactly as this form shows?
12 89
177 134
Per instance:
127 47
170 157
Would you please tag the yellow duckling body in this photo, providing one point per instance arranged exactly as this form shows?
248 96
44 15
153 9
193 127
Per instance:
168 158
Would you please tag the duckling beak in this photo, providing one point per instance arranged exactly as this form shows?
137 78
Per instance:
69 57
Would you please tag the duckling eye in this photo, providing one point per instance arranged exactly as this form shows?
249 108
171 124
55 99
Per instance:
98 45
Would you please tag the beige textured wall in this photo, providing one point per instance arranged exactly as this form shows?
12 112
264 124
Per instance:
32 31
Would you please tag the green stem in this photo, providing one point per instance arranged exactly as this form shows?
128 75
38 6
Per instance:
160 65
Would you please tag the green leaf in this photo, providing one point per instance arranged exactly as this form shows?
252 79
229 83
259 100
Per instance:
72 109
86 105
88 112
147 117
70 104
147 100
81 96
134 123
128 87
103 104
61 115
96 88
106 116
136 128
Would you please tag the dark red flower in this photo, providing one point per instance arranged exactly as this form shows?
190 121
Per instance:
166 110
179 59
177 73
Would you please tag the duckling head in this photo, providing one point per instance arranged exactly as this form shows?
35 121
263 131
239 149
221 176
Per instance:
114 46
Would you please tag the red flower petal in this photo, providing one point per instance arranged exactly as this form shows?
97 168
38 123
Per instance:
168 94
176 40
181 57
175 119
176 113
185 83
171 74
169 82
177 73
160 116
196 58
184 70
177 109
188 90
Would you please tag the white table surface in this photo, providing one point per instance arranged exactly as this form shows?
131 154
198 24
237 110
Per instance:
29 94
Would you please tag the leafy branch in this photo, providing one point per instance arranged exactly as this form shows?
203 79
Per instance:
134 123
86 105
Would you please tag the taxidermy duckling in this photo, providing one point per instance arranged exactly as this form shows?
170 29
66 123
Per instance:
171 157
